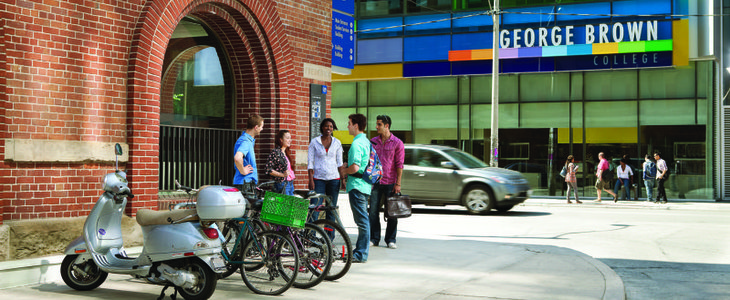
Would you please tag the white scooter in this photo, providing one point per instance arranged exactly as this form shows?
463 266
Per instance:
179 249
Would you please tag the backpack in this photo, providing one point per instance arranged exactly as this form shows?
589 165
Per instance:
650 170
374 170
607 174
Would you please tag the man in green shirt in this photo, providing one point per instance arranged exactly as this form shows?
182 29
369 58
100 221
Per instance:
358 189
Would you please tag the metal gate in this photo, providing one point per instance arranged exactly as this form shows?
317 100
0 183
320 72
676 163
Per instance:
196 156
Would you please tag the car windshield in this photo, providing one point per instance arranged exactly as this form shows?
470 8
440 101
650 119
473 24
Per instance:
465 159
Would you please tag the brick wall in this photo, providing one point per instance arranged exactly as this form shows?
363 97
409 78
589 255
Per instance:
91 71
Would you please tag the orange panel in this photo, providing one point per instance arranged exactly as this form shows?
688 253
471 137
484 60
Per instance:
459 55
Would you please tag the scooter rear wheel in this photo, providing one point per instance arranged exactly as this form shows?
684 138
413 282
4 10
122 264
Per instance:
83 275
206 281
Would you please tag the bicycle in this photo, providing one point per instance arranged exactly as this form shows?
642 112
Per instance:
341 243
267 266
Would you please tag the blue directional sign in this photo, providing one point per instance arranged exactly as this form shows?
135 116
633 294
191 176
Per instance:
345 6
343 40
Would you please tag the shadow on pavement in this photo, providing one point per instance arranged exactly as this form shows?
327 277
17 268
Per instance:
463 212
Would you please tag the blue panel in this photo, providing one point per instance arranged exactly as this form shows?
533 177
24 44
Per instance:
469 20
471 41
539 18
527 65
345 6
471 67
427 69
364 26
343 40
644 7
380 51
443 24
423 48
590 8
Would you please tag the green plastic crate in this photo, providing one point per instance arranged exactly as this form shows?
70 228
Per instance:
284 210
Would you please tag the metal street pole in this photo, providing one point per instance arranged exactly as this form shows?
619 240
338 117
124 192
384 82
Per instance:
494 157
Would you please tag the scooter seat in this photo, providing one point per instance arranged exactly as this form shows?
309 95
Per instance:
153 217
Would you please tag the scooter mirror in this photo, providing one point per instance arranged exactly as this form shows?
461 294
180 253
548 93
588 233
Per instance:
118 149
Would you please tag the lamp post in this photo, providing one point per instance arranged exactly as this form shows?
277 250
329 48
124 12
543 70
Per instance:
494 139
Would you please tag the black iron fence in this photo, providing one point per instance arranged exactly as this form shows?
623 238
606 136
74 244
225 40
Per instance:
196 156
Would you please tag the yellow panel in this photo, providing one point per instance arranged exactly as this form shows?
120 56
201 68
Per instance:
360 72
344 136
564 135
483 54
680 36
617 135
605 48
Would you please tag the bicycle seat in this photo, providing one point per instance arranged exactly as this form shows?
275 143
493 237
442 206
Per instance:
257 204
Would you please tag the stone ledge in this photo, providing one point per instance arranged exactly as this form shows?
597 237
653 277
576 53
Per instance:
19 150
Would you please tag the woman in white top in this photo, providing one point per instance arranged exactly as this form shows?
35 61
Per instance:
324 164
624 174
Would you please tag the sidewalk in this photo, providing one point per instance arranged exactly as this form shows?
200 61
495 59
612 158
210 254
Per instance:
607 202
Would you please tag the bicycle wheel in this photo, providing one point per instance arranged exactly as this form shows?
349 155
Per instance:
231 230
258 227
273 252
341 246
315 256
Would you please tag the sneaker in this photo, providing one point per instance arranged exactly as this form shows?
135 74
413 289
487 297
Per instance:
392 245
372 244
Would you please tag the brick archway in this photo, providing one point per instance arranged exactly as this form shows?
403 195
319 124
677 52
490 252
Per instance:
259 55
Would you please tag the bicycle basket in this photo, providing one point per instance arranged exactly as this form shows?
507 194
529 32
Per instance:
284 210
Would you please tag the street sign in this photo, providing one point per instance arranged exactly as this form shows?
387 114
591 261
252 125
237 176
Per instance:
345 6
343 40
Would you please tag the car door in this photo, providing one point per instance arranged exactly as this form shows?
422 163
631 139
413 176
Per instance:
425 178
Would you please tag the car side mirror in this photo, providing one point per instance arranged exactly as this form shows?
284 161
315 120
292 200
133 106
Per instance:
448 165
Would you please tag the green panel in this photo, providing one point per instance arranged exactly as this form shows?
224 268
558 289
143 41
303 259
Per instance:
576 86
610 114
703 112
660 45
340 116
437 90
667 83
577 115
344 94
434 123
545 115
400 117
667 112
544 87
481 88
464 89
390 92
481 116
704 78
610 85
464 117
632 47
362 93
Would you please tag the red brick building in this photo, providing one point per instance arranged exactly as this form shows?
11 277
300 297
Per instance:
78 76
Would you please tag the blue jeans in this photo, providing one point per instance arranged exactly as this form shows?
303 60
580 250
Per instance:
649 184
331 188
377 198
627 187
284 187
359 206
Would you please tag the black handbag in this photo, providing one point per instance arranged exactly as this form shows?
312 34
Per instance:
398 206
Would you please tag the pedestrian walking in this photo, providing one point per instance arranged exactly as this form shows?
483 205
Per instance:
358 190
391 151
661 178
649 176
325 165
625 178
244 158
570 179
603 180
279 165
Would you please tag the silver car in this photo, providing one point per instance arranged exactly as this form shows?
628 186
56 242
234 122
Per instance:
442 175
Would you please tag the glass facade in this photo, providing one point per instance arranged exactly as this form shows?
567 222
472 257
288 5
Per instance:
544 117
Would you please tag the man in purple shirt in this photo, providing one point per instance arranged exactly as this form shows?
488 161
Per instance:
391 152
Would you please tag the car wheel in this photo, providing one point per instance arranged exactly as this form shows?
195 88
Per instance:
503 209
478 200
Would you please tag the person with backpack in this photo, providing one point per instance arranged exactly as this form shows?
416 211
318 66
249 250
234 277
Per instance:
357 188
661 177
391 151
649 168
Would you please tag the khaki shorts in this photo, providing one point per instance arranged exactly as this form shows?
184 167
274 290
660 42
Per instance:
602 184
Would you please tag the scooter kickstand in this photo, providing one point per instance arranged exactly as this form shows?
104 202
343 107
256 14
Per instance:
173 296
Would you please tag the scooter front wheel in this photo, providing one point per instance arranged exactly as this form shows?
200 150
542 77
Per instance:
81 274
206 281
